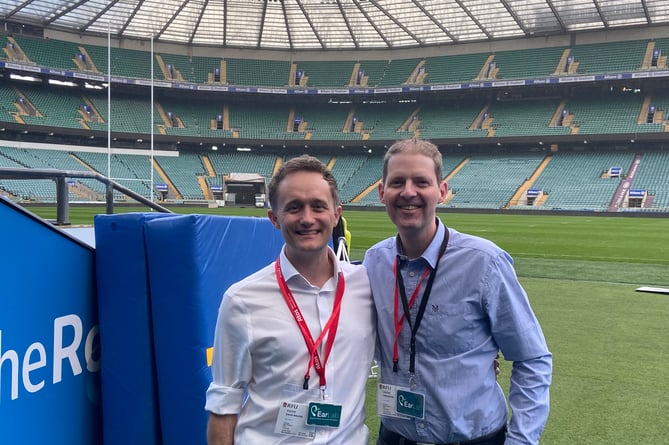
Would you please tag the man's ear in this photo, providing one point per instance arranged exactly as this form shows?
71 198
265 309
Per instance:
273 218
381 191
443 190
338 211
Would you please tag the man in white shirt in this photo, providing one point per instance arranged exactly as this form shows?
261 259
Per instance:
294 341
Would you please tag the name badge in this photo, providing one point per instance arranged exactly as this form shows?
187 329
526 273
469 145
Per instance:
324 414
399 402
291 421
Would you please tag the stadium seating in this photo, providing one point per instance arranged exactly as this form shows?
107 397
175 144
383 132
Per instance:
384 121
56 109
617 113
573 180
456 68
130 114
652 176
192 69
525 118
595 58
183 172
344 169
240 162
45 190
49 53
326 74
270 73
398 71
489 181
7 97
527 63
367 174
450 120
131 171
251 122
374 71
610 57
337 121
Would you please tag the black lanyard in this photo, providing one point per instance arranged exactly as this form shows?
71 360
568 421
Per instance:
399 282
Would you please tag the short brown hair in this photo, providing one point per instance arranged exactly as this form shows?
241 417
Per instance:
414 146
299 164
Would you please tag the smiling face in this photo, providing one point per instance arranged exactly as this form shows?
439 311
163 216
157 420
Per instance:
411 192
306 213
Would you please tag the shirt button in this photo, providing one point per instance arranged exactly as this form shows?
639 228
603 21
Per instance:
411 274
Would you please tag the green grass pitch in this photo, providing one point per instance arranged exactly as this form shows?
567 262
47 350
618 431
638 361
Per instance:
610 344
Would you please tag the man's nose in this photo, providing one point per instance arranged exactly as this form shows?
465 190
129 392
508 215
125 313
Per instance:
409 189
307 216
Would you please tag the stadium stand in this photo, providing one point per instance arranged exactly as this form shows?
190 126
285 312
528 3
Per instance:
609 57
466 115
132 171
326 74
489 181
270 73
521 64
184 171
188 68
452 119
366 175
54 54
240 162
652 177
370 73
615 113
525 118
574 180
53 107
386 121
130 114
456 68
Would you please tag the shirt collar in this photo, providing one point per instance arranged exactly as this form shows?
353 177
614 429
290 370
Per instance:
289 271
431 254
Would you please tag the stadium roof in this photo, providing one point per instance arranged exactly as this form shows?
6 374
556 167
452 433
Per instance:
332 24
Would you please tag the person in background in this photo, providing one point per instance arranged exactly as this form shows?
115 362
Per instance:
446 304
294 341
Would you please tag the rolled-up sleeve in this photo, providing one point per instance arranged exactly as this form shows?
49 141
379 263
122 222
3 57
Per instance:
231 365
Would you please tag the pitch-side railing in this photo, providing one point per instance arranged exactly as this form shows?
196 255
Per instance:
62 188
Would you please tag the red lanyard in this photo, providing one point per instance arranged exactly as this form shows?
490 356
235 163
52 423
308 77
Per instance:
399 319
330 328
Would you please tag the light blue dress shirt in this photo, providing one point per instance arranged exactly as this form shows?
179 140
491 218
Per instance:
476 308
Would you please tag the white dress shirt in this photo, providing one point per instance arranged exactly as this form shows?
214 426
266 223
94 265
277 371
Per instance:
260 353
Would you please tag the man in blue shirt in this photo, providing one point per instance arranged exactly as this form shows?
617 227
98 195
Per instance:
447 303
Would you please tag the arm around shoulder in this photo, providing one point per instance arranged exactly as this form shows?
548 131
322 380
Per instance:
221 429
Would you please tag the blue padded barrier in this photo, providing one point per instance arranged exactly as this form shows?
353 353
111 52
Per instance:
192 260
129 386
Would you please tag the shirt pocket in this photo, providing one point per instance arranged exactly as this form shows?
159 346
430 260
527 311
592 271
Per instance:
449 328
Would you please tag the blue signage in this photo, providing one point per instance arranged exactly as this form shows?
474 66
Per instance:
49 342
